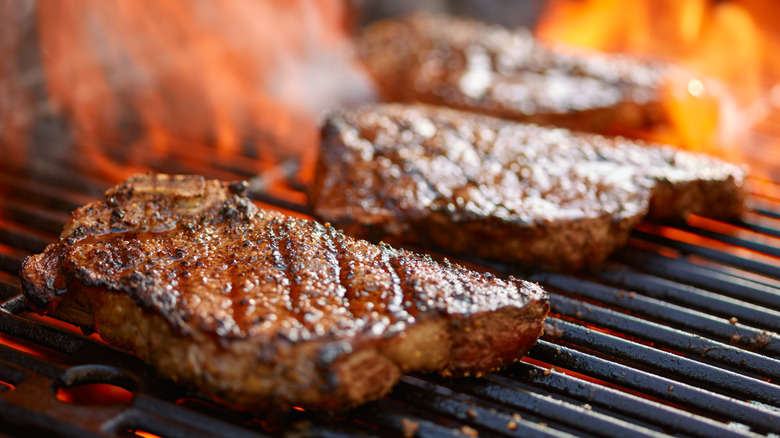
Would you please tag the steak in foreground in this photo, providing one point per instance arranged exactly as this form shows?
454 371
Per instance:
269 311
501 190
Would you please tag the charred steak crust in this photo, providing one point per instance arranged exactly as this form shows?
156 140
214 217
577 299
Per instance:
269 311
465 64
496 189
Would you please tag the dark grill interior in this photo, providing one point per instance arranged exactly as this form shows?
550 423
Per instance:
677 335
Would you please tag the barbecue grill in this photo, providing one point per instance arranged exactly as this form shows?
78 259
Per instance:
677 335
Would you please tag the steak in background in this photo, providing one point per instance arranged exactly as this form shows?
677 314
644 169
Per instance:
501 190
269 311
466 64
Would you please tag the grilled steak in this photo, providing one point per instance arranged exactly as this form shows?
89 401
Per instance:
460 63
266 310
502 190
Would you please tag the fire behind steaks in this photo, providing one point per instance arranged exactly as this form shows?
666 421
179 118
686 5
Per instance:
269 311
517 193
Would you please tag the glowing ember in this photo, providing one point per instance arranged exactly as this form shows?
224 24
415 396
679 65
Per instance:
144 434
94 394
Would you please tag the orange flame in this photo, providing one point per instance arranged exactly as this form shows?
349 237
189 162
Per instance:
731 41
138 81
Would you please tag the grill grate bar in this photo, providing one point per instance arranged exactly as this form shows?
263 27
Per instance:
194 167
464 408
34 216
667 336
45 336
166 419
27 361
524 398
16 305
664 388
682 270
239 166
390 415
11 374
47 195
732 240
695 321
132 420
24 238
763 209
771 270
39 422
673 364
70 356
761 225
50 173
10 263
9 285
613 400
700 299
330 429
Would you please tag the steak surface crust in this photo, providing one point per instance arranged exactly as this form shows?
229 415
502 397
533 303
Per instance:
465 64
269 311
496 189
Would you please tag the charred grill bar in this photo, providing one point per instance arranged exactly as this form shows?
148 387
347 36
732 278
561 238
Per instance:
678 335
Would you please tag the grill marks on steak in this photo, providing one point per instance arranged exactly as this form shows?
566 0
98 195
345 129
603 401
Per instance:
469 65
502 190
269 311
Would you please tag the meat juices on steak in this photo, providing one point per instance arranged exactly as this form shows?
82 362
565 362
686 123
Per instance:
266 310
497 189
465 64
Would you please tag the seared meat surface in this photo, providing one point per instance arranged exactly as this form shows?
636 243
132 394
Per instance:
461 63
269 311
497 189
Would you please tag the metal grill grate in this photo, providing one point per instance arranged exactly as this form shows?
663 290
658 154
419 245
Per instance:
677 336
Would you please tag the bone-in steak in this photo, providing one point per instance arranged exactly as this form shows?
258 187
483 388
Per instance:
462 63
497 189
266 310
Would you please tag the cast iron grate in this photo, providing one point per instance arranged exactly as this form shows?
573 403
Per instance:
678 335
